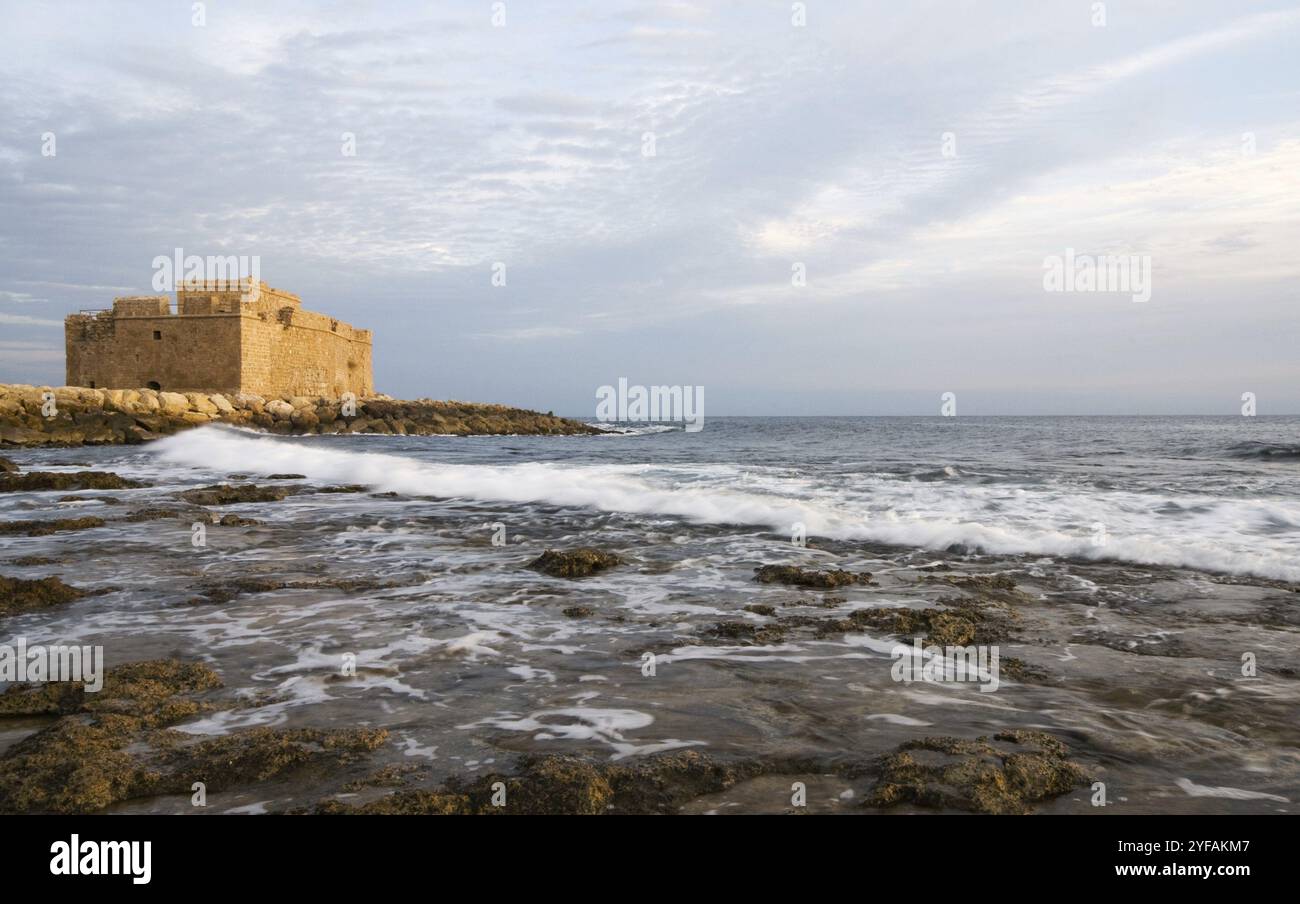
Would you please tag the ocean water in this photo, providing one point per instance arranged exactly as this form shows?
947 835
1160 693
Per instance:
1150 555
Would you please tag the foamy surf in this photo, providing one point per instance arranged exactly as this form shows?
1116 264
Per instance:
1210 533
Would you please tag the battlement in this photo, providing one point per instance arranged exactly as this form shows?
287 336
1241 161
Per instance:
142 306
237 335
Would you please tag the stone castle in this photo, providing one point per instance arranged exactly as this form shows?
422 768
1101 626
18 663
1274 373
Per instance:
227 336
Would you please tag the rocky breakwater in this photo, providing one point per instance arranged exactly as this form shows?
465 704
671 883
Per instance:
74 415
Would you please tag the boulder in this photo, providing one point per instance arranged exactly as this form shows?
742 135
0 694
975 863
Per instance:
221 402
20 436
232 494
173 402
280 410
574 563
201 403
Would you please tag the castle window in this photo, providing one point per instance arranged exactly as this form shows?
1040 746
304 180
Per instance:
154 385
92 384
157 334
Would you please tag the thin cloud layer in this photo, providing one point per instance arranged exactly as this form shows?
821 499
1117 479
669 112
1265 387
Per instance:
647 177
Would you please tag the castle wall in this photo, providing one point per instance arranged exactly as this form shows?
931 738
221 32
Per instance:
304 353
219 341
179 354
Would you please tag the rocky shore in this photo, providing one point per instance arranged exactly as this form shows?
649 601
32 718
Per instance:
74 416
92 751
325 645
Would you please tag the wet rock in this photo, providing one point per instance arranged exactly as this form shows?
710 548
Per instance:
236 521
45 528
286 476
75 480
991 586
20 595
7 466
33 561
961 624
114 745
227 494
1019 670
258 754
746 633
226 591
572 786
1007 774
229 590
151 691
106 500
394 775
807 577
151 514
579 612
1158 645
956 628
574 563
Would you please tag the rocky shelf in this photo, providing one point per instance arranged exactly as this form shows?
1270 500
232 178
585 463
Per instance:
79 415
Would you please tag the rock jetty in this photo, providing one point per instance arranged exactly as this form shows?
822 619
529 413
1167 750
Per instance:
74 415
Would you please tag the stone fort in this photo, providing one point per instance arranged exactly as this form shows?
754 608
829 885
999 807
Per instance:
227 336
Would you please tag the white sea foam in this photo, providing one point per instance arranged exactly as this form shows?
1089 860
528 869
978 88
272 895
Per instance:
1191 788
582 723
1212 533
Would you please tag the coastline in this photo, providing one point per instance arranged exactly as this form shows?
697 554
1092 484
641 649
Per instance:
357 630
75 416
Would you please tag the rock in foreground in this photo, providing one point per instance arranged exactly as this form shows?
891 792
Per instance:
20 595
573 563
808 577
1005 775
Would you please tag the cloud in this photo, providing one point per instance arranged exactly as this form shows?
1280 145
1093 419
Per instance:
525 145
533 332
24 320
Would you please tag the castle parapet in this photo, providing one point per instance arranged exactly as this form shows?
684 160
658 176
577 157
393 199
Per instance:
142 306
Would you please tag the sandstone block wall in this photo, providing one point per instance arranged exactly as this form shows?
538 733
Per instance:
223 338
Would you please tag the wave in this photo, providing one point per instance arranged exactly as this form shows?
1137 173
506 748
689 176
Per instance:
1264 451
1206 533
634 430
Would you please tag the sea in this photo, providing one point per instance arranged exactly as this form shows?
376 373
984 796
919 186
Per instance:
1155 561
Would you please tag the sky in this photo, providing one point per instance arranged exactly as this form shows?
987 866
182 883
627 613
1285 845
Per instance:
805 209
